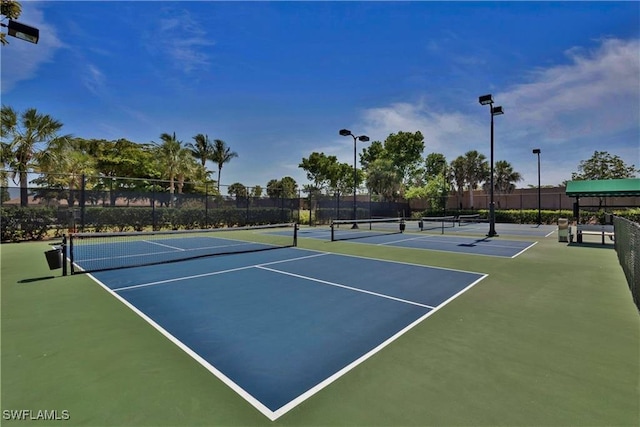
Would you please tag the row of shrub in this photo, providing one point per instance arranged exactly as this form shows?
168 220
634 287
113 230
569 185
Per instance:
17 223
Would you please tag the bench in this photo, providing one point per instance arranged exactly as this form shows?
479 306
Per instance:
592 229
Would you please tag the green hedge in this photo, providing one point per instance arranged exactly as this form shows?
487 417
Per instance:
18 223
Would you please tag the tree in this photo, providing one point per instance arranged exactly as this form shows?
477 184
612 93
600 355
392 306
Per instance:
222 155
383 179
169 152
476 171
404 149
12 10
372 153
256 191
285 188
603 165
65 168
318 167
238 191
434 165
24 137
458 174
202 149
505 177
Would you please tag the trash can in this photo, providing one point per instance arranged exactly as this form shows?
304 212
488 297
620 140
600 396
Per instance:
563 230
54 258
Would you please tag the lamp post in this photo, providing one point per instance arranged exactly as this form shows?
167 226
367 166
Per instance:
495 111
363 138
22 31
537 151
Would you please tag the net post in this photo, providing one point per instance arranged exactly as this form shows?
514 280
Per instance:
333 239
71 253
64 255
295 234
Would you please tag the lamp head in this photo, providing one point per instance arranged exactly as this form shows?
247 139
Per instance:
536 151
496 111
363 138
345 132
485 99
23 32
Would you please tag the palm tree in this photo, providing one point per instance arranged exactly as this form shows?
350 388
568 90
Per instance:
24 135
169 157
202 149
187 167
64 165
458 175
476 171
221 154
504 178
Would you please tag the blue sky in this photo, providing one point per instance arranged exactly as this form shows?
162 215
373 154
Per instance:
277 80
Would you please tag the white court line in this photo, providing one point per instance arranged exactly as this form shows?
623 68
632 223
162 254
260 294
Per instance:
213 273
313 390
338 285
162 244
522 251
440 240
274 415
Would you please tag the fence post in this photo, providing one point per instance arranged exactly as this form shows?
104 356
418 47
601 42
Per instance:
82 200
206 205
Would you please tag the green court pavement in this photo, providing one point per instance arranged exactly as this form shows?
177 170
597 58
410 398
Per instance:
550 338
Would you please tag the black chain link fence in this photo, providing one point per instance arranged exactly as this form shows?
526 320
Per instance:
627 245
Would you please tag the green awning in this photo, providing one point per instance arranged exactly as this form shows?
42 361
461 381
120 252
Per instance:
604 188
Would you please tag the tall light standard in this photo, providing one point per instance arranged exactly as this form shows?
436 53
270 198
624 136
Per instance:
495 111
537 151
363 138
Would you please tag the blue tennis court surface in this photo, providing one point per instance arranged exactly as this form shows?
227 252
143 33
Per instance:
278 326
438 242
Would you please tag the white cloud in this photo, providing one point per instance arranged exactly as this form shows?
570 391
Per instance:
22 60
93 79
597 92
187 52
592 102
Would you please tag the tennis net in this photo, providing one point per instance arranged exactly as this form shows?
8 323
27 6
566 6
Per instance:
346 229
436 223
470 219
91 252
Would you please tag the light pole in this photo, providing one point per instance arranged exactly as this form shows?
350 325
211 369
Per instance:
495 111
363 138
537 151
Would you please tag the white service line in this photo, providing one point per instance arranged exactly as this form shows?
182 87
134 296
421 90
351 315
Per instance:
162 244
177 279
312 279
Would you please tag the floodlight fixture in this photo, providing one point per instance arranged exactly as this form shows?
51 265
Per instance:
485 99
345 132
496 111
22 31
